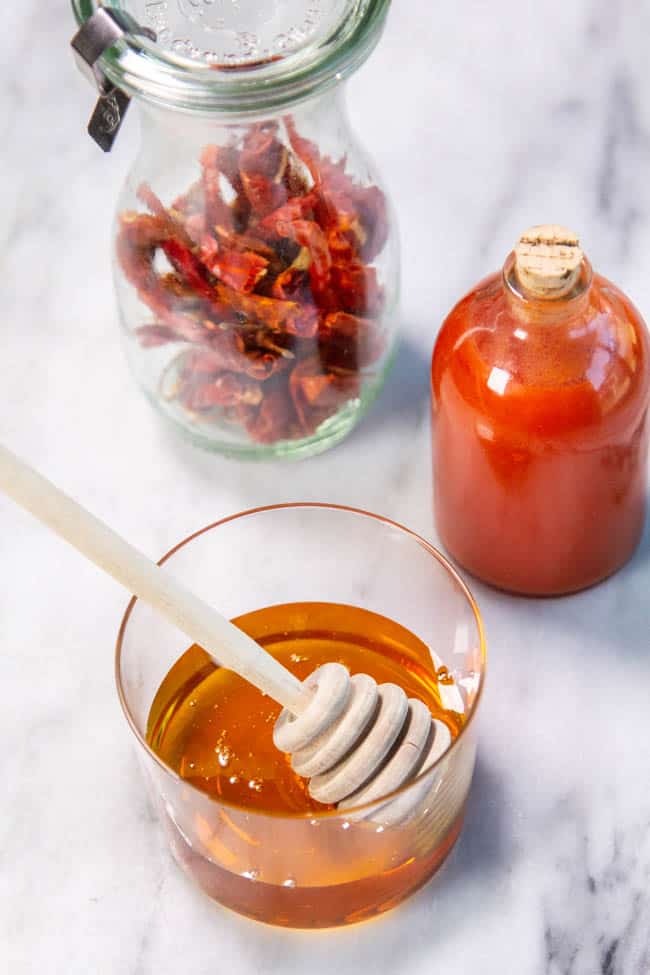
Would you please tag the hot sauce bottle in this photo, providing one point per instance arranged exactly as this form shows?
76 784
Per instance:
540 390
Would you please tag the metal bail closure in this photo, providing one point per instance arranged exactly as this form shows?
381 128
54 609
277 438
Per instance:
101 31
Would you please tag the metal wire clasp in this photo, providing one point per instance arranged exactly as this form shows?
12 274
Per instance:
97 34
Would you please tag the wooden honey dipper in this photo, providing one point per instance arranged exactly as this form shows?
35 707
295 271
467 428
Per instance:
344 740
355 741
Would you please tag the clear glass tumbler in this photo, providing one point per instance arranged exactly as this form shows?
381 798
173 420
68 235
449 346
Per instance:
334 867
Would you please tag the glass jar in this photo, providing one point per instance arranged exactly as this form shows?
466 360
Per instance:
540 389
256 257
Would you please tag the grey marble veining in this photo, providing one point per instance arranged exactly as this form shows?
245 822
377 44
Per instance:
485 118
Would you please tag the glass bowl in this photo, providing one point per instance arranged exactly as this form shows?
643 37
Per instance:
332 867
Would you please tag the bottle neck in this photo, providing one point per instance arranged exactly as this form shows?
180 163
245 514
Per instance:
546 311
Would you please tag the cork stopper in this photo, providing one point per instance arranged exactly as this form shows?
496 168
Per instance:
547 261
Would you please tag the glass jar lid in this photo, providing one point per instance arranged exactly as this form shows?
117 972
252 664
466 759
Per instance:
237 55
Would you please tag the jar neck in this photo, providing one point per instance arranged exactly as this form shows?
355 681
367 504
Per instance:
326 110
546 312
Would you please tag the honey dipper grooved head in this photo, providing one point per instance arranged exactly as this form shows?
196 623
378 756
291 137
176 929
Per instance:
548 260
358 742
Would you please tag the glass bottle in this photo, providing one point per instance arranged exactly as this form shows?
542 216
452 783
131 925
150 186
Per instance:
256 258
540 392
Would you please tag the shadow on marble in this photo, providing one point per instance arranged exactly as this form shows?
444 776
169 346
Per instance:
610 620
482 846
615 615
406 389
642 554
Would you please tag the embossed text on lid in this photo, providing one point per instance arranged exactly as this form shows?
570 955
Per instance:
237 55
229 33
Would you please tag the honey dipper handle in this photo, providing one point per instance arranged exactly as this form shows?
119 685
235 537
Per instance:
227 644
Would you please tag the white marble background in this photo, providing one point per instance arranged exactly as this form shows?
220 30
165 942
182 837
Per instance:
485 118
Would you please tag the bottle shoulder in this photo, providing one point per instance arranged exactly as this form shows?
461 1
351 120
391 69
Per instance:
574 372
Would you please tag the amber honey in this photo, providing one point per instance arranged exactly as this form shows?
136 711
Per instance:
256 840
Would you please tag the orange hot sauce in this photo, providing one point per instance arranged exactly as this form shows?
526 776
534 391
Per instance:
540 389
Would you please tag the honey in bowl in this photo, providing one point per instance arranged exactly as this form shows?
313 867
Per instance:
215 730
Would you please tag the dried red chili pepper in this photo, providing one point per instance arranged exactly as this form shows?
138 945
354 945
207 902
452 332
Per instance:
217 212
271 285
230 348
191 202
341 195
373 212
274 419
350 342
151 336
292 284
223 389
357 289
317 394
240 270
305 149
236 242
289 316
200 362
262 164
309 235
297 208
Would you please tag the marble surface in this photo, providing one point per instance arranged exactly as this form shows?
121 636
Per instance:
485 118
